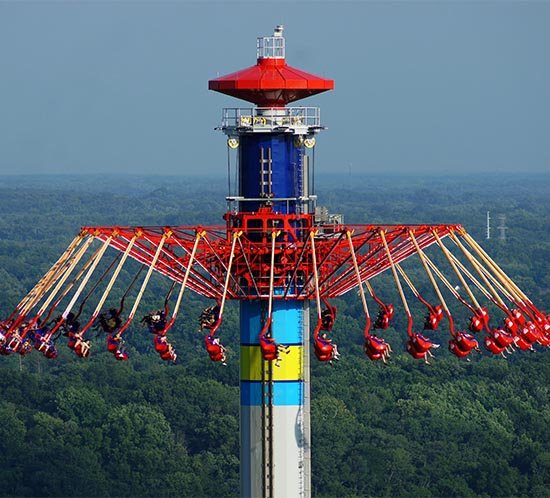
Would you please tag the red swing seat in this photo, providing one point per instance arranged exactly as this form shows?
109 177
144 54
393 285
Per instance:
466 342
455 349
492 346
420 343
502 338
416 354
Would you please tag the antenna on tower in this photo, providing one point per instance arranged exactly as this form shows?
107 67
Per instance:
488 226
502 227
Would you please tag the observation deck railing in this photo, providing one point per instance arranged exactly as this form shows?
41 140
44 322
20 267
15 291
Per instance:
265 119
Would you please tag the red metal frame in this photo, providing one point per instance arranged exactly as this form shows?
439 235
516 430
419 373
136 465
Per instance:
250 270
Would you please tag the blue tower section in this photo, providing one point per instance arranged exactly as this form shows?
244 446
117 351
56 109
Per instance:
271 168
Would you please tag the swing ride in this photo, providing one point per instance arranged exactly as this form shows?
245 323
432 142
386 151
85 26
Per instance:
303 261
274 258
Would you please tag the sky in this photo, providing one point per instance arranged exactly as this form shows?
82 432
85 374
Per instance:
423 87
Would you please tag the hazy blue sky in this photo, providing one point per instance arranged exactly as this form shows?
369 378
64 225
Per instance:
121 86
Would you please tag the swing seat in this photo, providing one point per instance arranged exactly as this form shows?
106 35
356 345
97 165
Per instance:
456 350
372 355
502 338
431 322
421 343
269 356
382 322
5 350
522 344
212 348
42 344
466 342
14 343
51 353
215 351
217 357
323 347
121 355
25 347
529 333
510 325
417 355
268 346
375 344
113 344
82 348
433 318
161 344
476 324
323 356
518 317
492 346
71 343
169 355
544 340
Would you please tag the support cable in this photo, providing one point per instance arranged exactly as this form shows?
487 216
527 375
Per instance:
506 281
360 284
456 270
490 294
398 282
236 235
413 288
243 252
107 290
69 287
165 235
43 285
423 258
169 325
97 259
96 285
316 278
77 257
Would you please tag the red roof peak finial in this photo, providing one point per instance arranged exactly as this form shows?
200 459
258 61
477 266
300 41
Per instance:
271 82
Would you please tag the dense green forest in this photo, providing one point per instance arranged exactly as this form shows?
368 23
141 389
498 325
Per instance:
98 427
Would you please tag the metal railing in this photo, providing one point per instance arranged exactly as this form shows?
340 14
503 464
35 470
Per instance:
269 118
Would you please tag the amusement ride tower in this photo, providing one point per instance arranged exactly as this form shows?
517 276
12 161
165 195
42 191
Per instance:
274 258
274 201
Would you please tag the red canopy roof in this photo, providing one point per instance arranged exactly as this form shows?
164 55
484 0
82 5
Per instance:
271 83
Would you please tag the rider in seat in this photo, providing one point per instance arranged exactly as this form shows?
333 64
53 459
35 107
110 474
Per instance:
328 316
209 316
270 349
110 322
325 349
377 348
71 325
82 348
114 345
215 349
385 314
169 354
434 316
156 321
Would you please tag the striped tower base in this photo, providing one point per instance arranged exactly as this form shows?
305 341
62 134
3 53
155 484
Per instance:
275 430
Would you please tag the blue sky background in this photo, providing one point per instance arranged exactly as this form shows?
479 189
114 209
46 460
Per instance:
421 87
